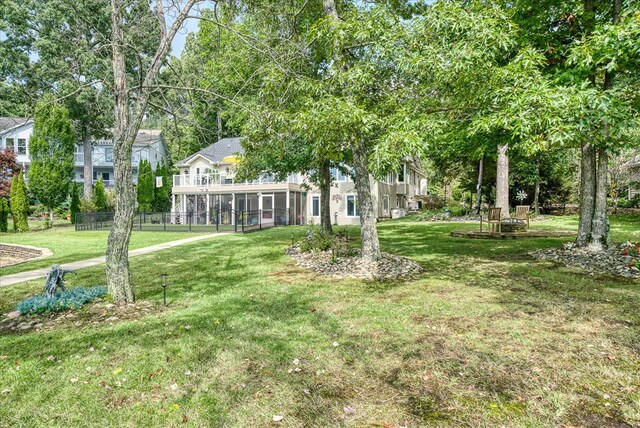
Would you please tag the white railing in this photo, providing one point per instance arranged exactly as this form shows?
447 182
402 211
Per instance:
102 160
213 180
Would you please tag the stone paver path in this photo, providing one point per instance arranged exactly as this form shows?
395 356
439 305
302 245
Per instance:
41 273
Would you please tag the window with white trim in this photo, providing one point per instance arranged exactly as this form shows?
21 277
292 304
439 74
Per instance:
9 144
315 206
22 146
401 173
385 203
353 210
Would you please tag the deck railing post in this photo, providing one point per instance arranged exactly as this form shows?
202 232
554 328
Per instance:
217 220
260 219
164 221
139 221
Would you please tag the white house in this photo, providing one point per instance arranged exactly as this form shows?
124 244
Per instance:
206 188
15 133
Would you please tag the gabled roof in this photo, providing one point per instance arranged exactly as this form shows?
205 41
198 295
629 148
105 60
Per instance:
7 123
216 152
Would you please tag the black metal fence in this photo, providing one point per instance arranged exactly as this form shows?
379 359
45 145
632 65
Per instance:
207 221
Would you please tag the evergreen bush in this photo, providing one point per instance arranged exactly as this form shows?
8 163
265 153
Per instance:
4 215
146 187
99 196
74 207
19 203
72 298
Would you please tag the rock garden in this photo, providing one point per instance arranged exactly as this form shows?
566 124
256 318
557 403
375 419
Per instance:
622 260
331 255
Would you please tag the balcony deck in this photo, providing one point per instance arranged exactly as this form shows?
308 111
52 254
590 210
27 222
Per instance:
198 183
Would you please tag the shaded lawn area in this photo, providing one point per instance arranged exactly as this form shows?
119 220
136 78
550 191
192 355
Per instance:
68 245
487 337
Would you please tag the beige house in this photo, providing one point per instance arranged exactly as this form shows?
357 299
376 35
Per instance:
205 192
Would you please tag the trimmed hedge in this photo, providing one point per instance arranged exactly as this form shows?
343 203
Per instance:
72 298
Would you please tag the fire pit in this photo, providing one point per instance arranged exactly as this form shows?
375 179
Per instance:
510 225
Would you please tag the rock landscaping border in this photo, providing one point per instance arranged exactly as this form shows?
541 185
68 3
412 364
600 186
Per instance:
13 254
389 267
610 261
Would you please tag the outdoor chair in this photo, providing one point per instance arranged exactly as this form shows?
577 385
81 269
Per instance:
522 213
493 219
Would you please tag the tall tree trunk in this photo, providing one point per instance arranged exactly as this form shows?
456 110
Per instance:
600 236
587 193
51 217
600 222
479 185
87 165
128 117
325 195
536 193
502 180
588 156
368 227
118 277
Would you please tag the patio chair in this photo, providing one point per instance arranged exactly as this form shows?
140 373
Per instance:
522 213
493 219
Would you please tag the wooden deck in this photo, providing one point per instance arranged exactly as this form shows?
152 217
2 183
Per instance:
532 233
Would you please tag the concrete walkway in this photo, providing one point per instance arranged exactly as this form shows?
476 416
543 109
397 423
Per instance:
41 273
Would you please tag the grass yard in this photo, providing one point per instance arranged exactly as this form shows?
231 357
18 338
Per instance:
486 338
67 245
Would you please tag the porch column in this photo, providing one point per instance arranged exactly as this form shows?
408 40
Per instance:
233 208
287 205
207 209
173 208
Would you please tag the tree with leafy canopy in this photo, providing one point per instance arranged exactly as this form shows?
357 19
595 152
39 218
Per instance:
19 202
51 149
589 56
146 184
40 38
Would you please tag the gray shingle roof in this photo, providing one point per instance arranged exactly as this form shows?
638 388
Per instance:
216 152
11 122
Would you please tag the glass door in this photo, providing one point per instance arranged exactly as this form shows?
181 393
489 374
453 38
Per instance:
267 208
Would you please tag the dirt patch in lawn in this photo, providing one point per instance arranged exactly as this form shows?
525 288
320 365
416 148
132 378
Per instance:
15 254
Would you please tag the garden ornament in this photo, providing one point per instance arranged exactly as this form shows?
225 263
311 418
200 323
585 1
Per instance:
55 280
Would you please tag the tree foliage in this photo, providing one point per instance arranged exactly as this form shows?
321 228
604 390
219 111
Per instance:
19 201
4 215
8 168
51 149
74 206
100 196
146 185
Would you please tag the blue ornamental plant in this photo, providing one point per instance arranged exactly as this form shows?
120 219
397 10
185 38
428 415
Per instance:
72 298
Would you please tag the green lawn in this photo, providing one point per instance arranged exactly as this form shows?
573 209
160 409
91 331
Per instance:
68 245
486 338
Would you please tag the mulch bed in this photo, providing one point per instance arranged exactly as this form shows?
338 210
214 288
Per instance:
389 267
97 312
14 254
531 233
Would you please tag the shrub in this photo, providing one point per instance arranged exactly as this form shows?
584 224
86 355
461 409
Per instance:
19 203
72 298
430 202
4 215
74 206
319 239
99 196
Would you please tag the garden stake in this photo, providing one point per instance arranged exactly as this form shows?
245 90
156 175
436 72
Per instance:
164 288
